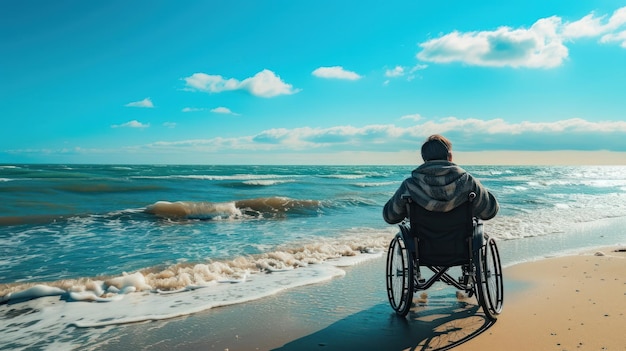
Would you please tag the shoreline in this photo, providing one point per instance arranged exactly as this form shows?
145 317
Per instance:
572 302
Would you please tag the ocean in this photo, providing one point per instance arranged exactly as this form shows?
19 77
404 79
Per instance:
84 248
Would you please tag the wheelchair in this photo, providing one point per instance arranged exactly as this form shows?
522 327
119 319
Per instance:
440 241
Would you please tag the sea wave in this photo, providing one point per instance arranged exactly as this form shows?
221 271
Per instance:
559 217
248 208
104 188
374 184
344 176
266 182
186 276
194 210
44 311
241 177
33 219
256 208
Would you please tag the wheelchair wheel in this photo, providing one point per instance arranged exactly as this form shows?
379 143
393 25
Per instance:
489 280
399 276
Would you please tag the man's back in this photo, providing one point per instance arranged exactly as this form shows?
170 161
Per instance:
440 186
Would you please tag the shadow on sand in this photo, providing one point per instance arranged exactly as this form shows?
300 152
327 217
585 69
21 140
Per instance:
441 325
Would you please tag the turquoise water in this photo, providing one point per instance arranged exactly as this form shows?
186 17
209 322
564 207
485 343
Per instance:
89 220
157 235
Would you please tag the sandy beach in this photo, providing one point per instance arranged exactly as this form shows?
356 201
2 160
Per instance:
574 302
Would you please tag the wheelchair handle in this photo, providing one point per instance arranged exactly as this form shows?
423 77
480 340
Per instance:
472 196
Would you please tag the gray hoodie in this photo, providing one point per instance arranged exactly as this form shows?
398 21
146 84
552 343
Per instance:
440 186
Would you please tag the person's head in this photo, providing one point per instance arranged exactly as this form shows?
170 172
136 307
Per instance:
437 147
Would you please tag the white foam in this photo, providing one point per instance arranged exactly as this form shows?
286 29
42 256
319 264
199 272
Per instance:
90 296
560 217
47 317
135 280
353 260
516 188
374 184
237 177
266 182
187 288
345 176
34 292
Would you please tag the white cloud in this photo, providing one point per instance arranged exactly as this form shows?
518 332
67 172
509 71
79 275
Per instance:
169 124
397 71
418 67
267 84
413 117
540 46
223 110
615 37
593 26
131 124
588 26
192 109
211 83
264 84
400 71
146 103
336 72
499 126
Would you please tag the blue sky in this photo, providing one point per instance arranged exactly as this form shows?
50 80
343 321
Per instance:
312 82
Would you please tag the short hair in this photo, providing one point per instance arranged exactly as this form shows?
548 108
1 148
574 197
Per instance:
436 147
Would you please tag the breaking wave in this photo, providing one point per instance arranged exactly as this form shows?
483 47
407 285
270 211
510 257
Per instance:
188 276
249 208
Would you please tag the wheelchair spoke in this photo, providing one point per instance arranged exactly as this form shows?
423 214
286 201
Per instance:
399 276
490 280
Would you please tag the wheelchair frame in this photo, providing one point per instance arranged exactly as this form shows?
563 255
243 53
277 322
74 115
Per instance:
481 275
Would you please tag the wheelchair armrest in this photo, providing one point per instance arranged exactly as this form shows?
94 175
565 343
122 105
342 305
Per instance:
407 202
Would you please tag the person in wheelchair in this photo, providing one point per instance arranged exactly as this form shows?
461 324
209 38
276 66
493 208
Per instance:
439 185
440 208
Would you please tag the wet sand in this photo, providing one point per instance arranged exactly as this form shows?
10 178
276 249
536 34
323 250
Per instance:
566 303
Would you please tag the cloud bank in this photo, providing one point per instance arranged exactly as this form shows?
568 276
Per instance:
510 143
466 134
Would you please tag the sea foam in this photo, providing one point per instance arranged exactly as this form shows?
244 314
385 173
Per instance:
47 318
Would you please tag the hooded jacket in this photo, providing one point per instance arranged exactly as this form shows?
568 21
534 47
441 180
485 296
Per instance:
440 186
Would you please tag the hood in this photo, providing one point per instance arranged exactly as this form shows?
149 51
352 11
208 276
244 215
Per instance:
437 183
